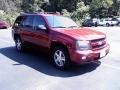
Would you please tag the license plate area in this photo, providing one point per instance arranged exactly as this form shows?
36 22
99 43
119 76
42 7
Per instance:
102 53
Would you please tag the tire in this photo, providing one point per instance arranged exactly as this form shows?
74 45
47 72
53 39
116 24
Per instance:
96 24
19 44
107 24
118 24
60 58
89 25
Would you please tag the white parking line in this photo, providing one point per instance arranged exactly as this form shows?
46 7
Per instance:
6 41
107 65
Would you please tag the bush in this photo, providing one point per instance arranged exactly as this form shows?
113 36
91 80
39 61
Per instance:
10 18
66 13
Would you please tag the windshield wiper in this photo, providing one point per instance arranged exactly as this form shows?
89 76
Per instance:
59 27
72 26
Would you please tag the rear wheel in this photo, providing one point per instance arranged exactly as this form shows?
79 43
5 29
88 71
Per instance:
60 57
118 24
19 44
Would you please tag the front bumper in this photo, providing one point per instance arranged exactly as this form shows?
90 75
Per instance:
81 57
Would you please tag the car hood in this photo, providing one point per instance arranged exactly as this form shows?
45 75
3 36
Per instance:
82 33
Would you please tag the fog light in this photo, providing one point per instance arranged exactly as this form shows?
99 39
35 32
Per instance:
84 57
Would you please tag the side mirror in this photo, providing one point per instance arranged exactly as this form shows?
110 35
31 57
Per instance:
41 27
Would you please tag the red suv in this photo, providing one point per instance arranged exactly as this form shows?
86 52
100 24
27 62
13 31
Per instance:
61 37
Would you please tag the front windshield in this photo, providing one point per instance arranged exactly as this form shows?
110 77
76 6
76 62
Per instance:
60 22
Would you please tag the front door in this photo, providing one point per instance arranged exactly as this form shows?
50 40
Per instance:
40 36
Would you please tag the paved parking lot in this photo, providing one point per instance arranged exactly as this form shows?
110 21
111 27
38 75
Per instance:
32 71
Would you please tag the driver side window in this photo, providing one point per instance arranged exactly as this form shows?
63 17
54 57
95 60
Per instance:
38 20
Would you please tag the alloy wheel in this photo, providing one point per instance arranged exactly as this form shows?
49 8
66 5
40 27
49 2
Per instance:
18 44
59 58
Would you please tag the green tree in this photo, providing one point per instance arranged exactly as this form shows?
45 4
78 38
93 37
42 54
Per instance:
116 7
31 5
100 7
58 5
66 13
81 13
10 6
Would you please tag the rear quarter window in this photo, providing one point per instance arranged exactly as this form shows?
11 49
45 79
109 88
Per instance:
19 20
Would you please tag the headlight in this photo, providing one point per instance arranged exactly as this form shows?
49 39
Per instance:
82 45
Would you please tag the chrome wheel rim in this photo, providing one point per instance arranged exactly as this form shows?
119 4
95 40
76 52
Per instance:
18 44
59 58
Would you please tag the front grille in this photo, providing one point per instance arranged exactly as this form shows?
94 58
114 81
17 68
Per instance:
98 43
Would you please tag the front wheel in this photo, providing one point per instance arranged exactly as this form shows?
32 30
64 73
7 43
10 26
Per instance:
60 57
118 24
107 24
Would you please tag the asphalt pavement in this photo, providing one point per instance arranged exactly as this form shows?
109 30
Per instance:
32 70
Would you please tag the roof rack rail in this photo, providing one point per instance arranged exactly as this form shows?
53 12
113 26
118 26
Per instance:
32 13
57 13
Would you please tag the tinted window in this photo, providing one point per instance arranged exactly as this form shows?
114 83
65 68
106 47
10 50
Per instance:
28 22
19 20
38 20
113 18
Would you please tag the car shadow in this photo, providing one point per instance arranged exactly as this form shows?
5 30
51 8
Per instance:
41 63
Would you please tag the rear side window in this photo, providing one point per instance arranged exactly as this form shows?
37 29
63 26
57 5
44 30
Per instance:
28 22
18 21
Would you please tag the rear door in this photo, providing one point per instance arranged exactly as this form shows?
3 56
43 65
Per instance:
27 29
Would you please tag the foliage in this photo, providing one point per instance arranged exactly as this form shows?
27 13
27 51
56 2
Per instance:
76 9
66 13
10 5
58 5
116 7
31 5
10 18
81 12
100 8
96 4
